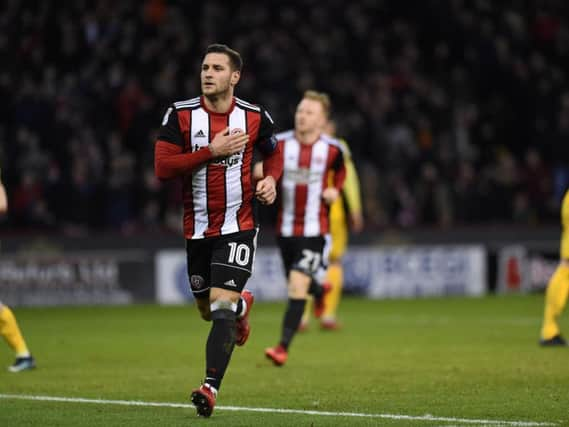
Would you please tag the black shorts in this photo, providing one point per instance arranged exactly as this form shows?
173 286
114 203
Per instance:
309 255
221 262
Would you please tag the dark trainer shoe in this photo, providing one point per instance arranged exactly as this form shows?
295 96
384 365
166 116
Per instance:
22 364
556 341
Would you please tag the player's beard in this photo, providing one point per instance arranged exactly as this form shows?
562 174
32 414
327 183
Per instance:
223 91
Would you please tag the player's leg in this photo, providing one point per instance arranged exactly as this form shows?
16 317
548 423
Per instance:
304 262
246 300
305 320
231 264
315 299
198 254
332 298
320 287
244 306
335 275
10 331
298 284
555 301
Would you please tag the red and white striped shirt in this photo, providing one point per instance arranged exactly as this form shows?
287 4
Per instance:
218 193
306 171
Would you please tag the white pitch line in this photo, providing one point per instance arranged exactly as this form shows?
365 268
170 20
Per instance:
427 417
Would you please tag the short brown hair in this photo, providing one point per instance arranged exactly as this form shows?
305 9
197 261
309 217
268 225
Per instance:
234 56
321 97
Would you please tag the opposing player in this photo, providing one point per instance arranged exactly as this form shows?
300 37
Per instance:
309 156
208 142
558 287
9 328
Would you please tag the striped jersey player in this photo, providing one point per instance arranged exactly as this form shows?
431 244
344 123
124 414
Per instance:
218 191
208 142
306 168
311 161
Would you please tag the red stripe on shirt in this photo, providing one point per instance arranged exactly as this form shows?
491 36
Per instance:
301 191
216 206
245 217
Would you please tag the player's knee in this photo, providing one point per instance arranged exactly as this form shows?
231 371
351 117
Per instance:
298 284
203 308
297 290
222 304
205 314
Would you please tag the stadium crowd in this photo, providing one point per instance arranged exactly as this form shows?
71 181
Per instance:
457 112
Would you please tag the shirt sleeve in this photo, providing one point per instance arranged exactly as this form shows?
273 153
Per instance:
339 168
171 162
273 163
266 141
170 129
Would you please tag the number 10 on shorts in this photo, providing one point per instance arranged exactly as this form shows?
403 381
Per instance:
239 253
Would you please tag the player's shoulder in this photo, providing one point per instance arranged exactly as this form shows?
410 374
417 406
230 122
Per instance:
255 108
187 103
565 203
248 105
285 135
334 142
345 146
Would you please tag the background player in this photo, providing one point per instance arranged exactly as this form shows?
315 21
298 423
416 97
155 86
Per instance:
305 195
558 287
9 328
345 214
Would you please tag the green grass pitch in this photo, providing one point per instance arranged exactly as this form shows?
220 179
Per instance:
456 358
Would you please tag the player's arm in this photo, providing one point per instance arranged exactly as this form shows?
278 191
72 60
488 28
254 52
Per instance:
565 211
565 229
3 199
169 159
269 148
272 165
351 195
330 194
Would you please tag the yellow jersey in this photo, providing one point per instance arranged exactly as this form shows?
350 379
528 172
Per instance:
564 253
350 201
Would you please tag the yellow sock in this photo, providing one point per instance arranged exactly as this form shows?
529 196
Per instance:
555 300
11 332
332 298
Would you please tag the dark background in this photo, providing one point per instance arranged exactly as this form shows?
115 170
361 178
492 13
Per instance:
457 112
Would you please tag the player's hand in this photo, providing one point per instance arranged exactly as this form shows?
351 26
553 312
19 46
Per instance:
329 195
357 222
225 143
266 190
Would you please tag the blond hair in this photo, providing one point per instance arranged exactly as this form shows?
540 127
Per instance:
322 97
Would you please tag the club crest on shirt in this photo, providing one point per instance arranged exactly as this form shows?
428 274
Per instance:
318 160
197 282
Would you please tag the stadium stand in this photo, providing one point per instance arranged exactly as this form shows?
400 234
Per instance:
457 112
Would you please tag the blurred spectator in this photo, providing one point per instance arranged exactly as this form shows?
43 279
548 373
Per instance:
442 102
